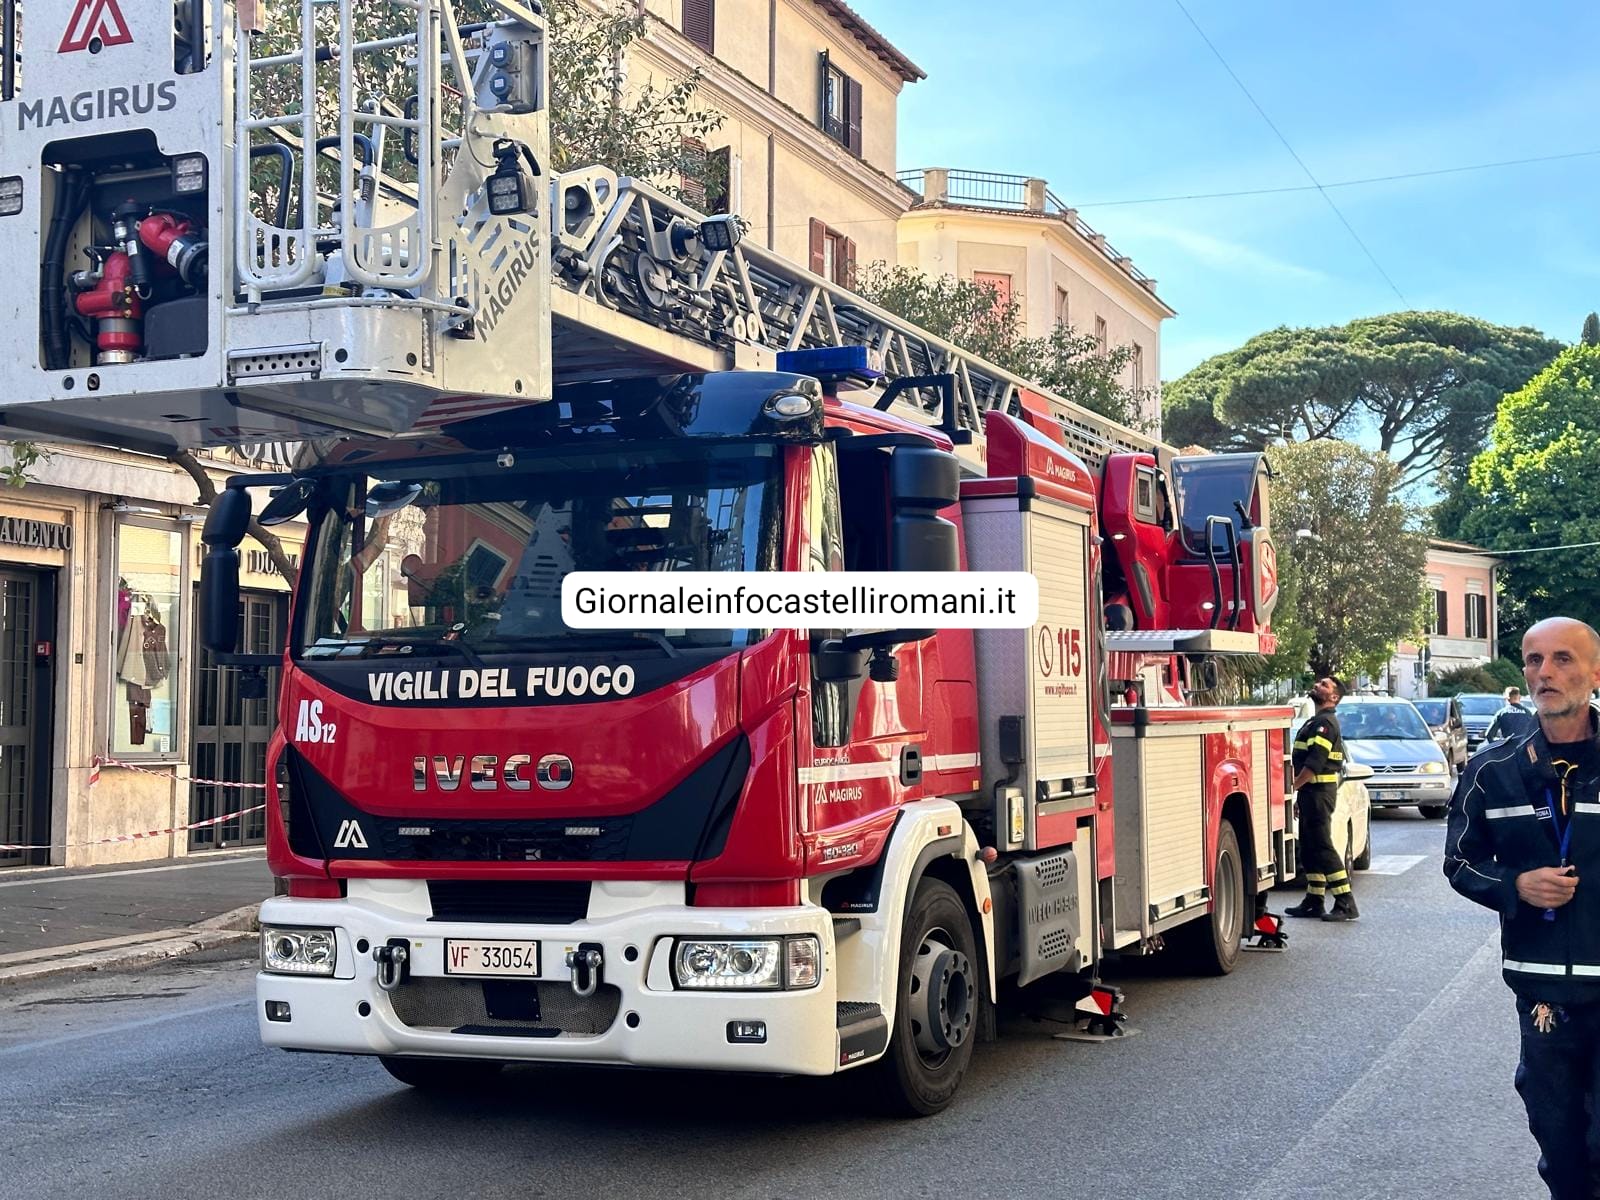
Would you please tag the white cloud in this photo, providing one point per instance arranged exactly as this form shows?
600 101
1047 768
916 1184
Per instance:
1213 251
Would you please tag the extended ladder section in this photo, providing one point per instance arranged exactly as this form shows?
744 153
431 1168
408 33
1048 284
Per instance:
341 223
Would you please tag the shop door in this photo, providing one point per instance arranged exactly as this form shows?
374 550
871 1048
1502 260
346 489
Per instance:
230 733
27 615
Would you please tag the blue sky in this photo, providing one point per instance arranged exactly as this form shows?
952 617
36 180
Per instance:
1124 101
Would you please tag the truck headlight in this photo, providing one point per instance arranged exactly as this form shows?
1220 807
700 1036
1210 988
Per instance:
746 964
1432 768
297 951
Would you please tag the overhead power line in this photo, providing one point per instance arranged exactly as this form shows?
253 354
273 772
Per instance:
1546 549
1377 266
1344 183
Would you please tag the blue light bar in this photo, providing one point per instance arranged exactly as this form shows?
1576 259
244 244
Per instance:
833 362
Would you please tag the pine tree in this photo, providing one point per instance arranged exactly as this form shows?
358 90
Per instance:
1591 330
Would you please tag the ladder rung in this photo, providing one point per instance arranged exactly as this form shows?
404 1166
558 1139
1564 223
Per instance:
293 120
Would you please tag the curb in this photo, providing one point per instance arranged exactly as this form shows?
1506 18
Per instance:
235 929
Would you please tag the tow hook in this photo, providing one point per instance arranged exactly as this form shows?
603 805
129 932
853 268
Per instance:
586 963
391 959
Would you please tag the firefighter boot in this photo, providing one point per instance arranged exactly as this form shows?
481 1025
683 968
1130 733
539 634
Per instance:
1311 906
1344 908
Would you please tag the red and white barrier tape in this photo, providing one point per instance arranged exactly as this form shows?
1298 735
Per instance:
94 778
150 833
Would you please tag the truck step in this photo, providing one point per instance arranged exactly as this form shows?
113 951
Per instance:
863 1030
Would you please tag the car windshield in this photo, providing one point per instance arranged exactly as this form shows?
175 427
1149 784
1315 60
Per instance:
1433 711
1481 706
1396 722
474 563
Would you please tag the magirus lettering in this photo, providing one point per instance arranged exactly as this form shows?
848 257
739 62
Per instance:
99 105
506 288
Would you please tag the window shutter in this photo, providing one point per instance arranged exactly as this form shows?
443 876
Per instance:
852 116
822 90
699 23
819 246
848 271
693 185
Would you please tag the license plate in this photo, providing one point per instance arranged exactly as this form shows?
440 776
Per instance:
491 958
1388 795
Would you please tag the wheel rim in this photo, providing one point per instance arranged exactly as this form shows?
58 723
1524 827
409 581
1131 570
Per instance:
942 1000
1228 906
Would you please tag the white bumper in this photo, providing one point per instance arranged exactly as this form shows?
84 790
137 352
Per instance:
645 1022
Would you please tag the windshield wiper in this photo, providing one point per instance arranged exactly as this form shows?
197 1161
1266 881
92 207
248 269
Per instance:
435 645
602 636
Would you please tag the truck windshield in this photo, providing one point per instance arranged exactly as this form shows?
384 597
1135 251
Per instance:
474 564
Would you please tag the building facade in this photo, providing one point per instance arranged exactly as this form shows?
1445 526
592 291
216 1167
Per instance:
809 93
112 721
1014 233
1463 619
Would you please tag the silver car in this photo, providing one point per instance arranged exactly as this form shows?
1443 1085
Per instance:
1477 711
1390 736
1443 715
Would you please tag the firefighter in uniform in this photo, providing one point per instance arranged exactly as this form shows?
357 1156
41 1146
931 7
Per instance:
1318 759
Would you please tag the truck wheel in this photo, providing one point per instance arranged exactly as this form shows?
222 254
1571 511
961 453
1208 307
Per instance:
1211 946
1433 811
1363 860
441 1074
936 1006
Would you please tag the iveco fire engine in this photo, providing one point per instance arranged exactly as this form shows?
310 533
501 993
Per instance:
504 840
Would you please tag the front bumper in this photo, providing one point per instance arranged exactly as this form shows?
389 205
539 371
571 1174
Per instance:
635 1018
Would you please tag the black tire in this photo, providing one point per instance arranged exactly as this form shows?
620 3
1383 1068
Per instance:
1433 811
927 1059
1363 860
441 1074
1211 946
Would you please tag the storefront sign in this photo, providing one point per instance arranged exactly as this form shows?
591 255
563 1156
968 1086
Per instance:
36 535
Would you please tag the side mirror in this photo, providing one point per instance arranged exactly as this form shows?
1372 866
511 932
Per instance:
390 496
288 502
227 519
922 483
1358 771
219 600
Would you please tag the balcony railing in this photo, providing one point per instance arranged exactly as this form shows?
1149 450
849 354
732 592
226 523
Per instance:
1013 193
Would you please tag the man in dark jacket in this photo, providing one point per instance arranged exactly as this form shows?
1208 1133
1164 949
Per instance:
1523 838
1317 763
1513 720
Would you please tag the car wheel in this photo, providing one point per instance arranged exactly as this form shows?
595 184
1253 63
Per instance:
935 1019
1210 945
1433 811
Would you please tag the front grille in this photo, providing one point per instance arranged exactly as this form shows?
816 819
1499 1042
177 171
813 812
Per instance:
520 901
1395 769
462 1005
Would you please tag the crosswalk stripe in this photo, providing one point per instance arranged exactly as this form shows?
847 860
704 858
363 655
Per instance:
1393 864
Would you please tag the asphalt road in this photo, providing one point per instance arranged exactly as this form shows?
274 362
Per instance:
1370 1060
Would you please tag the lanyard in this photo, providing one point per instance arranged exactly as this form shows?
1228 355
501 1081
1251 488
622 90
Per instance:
1563 829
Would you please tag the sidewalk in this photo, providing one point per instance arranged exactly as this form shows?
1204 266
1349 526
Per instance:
104 918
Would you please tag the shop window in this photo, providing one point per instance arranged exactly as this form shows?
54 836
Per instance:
147 621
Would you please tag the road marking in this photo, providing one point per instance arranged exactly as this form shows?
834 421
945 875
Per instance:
122 1028
1393 864
220 862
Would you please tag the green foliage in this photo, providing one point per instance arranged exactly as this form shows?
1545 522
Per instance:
1423 385
1467 679
23 458
1591 330
1506 673
976 318
1359 589
1535 485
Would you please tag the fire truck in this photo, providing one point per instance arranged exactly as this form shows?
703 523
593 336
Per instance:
503 840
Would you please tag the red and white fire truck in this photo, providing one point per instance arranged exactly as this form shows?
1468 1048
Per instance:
504 840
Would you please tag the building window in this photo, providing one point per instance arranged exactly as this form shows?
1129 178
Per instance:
1441 613
147 620
1063 311
1000 284
1477 615
833 256
718 182
840 117
1138 367
693 168
1100 339
699 23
